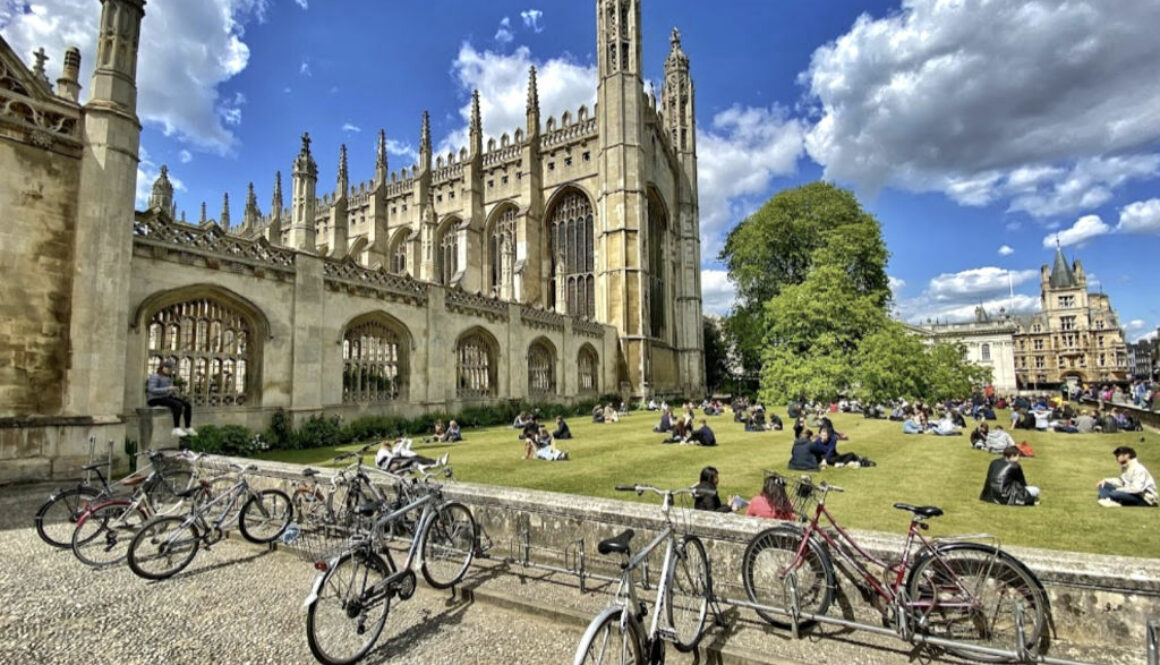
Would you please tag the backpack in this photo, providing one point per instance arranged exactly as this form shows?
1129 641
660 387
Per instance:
1025 449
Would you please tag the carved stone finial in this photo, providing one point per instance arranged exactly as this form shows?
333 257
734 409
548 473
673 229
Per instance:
342 171
306 143
38 69
476 121
202 220
425 134
675 38
533 90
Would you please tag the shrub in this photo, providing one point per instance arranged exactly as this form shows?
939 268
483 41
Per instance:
318 432
223 440
279 434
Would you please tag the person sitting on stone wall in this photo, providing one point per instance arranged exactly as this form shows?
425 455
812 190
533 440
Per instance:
771 502
562 432
1006 484
541 446
1134 487
160 391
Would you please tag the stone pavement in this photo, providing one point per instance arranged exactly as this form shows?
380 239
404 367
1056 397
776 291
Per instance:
241 604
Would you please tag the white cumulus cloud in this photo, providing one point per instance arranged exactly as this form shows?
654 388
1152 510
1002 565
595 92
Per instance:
718 293
188 50
305 4
351 128
532 18
1140 217
185 156
954 296
503 33
1006 250
304 69
1084 229
1046 104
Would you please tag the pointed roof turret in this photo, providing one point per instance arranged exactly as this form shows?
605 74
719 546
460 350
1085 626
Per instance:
425 134
202 220
381 158
276 203
343 183
304 164
1062 276
677 58
162 196
533 91
475 133
224 220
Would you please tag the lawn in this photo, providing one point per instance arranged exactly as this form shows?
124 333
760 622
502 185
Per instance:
943 471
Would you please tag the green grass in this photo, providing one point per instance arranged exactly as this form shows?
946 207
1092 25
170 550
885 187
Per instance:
942 471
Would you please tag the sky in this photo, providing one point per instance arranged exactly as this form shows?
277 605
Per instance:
978 132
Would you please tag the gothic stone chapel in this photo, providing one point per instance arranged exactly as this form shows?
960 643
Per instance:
559 261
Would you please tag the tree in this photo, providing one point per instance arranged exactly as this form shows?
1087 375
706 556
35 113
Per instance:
951 374
892 363
779 246
717 373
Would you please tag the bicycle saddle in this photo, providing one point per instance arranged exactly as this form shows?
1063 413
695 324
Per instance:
187 492
133 481
925 511
616 543
310 472
368 509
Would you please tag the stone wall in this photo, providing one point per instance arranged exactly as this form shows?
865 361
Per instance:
38 197
1095 599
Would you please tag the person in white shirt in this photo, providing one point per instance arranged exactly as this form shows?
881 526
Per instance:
1134 487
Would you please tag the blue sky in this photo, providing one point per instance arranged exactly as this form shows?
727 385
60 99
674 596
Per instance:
976 132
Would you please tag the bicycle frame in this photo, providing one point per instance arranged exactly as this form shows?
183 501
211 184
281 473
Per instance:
626 592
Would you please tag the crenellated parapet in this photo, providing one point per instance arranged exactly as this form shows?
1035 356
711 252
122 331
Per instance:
542 318
569 131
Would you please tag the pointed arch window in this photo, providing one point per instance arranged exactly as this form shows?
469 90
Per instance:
985 351
573 285
586 371
475 367
373 362
210 343
447 252
658 296
500 240
541 370
399 254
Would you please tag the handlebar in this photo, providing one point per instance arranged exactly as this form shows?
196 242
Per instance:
641 489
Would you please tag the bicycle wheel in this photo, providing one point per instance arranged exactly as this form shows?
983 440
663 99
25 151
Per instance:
768 564
968 592
104 532
164 488
688 592
163 547
341 627
265 516
448 545
605 642
57 518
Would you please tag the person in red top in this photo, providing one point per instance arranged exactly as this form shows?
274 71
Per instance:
772 503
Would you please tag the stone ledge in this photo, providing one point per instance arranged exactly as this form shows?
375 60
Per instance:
58 421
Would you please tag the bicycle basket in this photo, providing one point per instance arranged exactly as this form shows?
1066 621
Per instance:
315 543
801 492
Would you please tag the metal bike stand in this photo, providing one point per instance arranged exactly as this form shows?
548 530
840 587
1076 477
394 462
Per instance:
92 453
1020 643
795 608
1153 636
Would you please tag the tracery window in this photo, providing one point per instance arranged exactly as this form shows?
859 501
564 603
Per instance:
503 231
210 344
573 285
372 363
657 245
399 254
541 370
985 351
475 367
586 371
447 253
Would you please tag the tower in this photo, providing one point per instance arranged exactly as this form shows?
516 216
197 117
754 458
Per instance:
68 85
337 233
252 214
161 199
621 199
536 265
305 178
224 218
104 224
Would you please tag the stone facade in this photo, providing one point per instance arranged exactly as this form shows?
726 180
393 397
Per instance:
989 342
557 262
1074 338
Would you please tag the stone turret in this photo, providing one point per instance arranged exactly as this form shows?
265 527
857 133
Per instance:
533 106
381 160
475 131
305 179
161 199
203 219
338 230
224 218
273 230
252 214
68 85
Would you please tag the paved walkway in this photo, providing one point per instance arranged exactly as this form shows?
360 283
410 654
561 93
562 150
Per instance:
240 604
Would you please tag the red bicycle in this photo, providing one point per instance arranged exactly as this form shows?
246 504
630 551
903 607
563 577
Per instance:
963 593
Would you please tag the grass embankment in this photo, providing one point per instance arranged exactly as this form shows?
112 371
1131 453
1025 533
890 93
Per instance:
943 471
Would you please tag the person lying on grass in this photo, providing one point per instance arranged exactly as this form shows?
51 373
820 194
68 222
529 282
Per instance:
541 446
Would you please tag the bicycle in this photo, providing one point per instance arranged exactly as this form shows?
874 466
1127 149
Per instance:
314 507
685 572
105 528
946 588
349 602
57 517
165 545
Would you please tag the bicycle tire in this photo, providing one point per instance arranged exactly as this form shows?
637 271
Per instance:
992 582
691 577
448 545
265 516
605 642
56 518
103 532
329 624
763 570
163 547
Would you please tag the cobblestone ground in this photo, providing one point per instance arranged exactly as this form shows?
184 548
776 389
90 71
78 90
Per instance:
234 604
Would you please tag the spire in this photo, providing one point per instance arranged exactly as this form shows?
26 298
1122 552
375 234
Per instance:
677 57
533 91
224 219
425 134
276 204
202 221
343 179
475 134
1062 276
252 213
381 159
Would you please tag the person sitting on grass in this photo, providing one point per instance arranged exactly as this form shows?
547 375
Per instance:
395 456
702 436
997 441
1006 484
979 435
541 446
531 428
1065 426
521 420
911 426
652 405
772 502
610 414
1134 487
825 450
438 434
706 496
1084 423
562 431
666 422
774 423
453 434
945 427
801 455
598 414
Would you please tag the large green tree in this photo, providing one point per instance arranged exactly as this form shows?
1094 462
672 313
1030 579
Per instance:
717 375
781 243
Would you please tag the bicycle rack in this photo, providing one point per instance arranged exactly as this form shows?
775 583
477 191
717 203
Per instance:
1153 632
573 556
